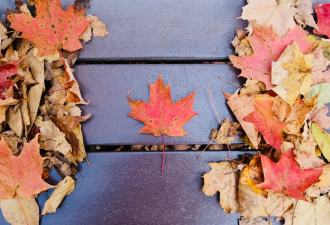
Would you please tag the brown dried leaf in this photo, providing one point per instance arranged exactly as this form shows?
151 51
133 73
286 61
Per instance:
81 155
252 205
226 133
14 120
99 29
64 187
12 210
223 177
51 138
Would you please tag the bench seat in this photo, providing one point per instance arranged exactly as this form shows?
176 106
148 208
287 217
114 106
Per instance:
106 86
127 188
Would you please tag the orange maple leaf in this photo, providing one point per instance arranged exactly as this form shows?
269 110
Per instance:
287 177
21 174
52 29
161 115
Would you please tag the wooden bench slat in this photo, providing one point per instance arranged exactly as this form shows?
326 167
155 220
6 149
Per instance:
162 30
106 86
129 188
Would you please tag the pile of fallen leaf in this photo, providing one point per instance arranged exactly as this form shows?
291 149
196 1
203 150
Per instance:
39 97
282 110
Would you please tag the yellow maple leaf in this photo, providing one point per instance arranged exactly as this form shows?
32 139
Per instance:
299 80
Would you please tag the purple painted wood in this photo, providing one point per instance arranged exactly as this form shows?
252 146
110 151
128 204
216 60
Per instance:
106 86
128 188
161 30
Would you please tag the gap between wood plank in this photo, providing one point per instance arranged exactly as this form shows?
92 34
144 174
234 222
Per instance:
153 61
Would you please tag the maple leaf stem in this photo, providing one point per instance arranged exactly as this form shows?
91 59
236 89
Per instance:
229 151
19 201
163 153
204 149
313 118
283 200
229 82
214 105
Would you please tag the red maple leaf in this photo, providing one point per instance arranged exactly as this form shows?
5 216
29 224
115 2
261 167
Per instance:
263 118
52 29
161 115
21 174
323 19
267 47
287 177
7 71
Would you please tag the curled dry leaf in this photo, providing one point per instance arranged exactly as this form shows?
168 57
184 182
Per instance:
12 141
71 121
12 210
252 88
3 34
324 44
223 177
69 136
226 133
60 110
51 138
242 106
241 44
252 175
322 139
14 120
73 91
99 29
64 187
81 154
58 162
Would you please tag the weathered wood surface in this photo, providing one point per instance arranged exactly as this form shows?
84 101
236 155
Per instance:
106 86
161 30
129 188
